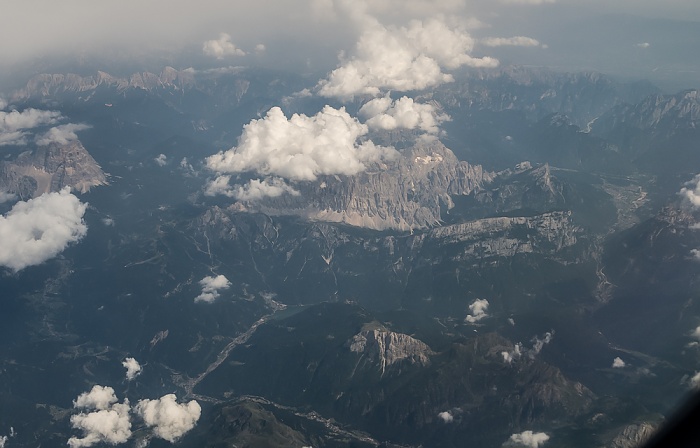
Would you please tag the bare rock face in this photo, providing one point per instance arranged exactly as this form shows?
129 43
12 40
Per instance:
633 436
674 111
506 237
410 194
50 168
386 348
48 84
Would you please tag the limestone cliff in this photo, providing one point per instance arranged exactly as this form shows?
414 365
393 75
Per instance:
386 348
407 195
50 168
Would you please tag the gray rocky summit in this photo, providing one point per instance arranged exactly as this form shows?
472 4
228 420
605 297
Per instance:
409 194
386 348
51 168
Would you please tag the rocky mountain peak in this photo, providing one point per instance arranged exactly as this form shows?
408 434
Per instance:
49 168
679 110
44 85
409 194
633 436
386 348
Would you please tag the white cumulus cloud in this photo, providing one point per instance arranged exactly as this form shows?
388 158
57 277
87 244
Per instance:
110 426
478 310
108 423
133 368
99 397
528 439
220 186
516 41
404 113
696 333
27 119
618 363
302 147
36 230
161 160
446 416
691 192
643 45
221 47
62 135
210 288
14 123
169 419
694 381
402 59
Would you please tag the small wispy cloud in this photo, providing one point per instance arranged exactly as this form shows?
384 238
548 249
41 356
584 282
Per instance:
519 351
516 41
61 135
257 189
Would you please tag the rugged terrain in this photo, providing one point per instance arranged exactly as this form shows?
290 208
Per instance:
482 284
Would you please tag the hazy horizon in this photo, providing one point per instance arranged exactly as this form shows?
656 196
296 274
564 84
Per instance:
632 39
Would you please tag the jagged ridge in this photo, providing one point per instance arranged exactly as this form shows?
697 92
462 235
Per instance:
408 195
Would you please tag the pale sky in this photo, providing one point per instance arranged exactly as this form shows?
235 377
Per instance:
623 36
